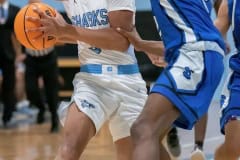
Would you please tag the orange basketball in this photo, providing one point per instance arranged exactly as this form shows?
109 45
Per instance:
21 25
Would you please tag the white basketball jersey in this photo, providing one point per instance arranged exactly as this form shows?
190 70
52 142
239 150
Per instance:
93 14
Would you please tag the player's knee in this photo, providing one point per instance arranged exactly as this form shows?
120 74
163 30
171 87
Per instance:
141 130
67 152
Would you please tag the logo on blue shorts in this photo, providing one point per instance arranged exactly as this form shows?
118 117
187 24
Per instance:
223 98
187 73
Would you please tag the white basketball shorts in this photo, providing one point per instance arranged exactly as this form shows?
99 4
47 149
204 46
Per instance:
116 98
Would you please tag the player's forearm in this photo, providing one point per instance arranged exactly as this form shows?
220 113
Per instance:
222 22
102 38
152 47
222 27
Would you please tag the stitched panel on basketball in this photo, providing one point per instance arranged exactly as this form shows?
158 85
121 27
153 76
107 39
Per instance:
19 27
21 24
39 43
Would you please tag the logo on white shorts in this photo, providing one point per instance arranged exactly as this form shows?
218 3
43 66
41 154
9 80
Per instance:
86 104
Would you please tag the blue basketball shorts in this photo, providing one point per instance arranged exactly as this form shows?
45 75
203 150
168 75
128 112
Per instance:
230 103
189 82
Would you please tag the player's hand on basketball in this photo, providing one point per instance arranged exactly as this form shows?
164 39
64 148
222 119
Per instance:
50 26
157 60
132 36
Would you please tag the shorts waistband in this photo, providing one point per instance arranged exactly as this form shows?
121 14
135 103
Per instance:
110 69
204 46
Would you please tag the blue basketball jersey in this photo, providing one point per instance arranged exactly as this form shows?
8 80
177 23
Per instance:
230 98
208 5
184 21
234 17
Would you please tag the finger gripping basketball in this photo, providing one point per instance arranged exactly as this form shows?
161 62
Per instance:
21 24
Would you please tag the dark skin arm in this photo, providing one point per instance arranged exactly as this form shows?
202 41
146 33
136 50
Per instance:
222 22
217 5
154 49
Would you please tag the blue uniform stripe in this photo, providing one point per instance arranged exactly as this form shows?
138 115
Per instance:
164 21
230 7
180 20
171 20
173 23
234 18
183 17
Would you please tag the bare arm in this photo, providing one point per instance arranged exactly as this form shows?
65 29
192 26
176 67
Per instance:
107 38
152 47
222 21
217 5
149 47
104 38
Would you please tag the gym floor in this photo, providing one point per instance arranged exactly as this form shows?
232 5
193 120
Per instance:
26 141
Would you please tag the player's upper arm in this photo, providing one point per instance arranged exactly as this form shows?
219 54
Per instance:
121 13
122 18
222 21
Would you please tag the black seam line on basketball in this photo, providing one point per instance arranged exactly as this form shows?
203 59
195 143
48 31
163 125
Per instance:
189 107
25 29
50 9
43 41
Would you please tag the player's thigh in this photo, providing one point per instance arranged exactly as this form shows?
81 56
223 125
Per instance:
232 132
158 114
78 128
119 126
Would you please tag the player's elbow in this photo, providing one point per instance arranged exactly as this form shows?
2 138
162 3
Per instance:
124 46
121 45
